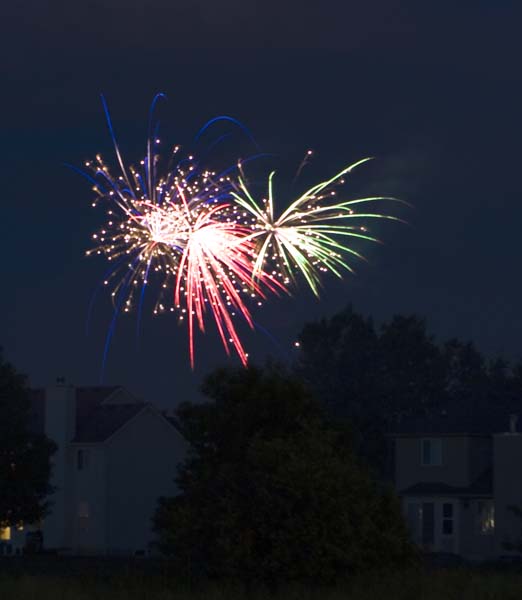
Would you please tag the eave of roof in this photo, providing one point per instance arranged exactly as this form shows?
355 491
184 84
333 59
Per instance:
481 487
441 490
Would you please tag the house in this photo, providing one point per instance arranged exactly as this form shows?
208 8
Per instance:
116 455
457 476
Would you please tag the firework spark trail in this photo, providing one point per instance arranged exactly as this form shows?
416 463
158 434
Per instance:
304 237
198 252
208 243
215 268
176 227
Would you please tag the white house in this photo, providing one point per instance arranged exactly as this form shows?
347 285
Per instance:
458 474
116 456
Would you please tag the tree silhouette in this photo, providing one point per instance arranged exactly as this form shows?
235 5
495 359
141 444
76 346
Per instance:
271 492
24 455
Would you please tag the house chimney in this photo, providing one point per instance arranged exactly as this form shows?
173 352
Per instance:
513 420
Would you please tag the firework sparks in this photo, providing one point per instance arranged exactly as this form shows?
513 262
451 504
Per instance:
308 236
209 245
178 229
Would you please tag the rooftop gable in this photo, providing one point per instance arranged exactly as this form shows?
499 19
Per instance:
100 411
106 420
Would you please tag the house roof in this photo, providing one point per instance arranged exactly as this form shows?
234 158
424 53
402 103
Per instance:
89 399
456 422
96 419
105 420
482 486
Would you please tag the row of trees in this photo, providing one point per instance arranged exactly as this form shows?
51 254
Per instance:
276 485
375 377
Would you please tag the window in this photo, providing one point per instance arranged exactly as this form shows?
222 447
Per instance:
447 518
486 517
83 516
431 452
5 534
83 510
82 459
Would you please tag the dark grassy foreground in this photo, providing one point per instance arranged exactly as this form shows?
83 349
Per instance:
428 584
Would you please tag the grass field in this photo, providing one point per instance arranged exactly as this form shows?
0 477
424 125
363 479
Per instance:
441 584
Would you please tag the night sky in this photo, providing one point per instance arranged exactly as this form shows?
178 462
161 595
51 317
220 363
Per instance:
433 90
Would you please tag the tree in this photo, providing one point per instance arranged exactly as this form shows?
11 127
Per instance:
359 372
369 378
412 369
271 492
467 383
338 361
24 456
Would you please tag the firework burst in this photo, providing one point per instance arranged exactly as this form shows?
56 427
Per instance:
178 229
309 236
209 245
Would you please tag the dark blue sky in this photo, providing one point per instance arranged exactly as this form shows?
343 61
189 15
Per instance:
433 90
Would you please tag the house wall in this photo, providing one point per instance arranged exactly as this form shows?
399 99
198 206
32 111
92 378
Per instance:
474 545
141 464
507 486
60 416
16 542
87 534
454 470
480 455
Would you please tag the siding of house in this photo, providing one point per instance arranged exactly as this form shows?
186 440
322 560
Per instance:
474 545
60 416
480 455
464 459
88 494
454 470
142 458
507 486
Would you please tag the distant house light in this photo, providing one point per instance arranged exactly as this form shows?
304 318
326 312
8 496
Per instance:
5 534
486 517
83 509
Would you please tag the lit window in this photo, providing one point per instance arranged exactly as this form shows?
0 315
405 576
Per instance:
431 452
5 534
486 517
